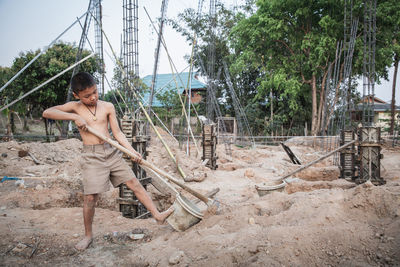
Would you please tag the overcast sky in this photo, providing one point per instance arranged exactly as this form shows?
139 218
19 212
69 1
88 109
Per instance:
30 25
33 24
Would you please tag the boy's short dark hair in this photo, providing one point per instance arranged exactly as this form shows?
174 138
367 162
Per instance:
82 81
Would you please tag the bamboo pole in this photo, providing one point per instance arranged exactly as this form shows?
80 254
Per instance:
42 52
317 160
144 110
176 83
46 82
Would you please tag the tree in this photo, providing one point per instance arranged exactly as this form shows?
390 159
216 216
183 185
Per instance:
124 99
189 24
122 90
5 75
56 59
171 105
388 13
293 43
280 56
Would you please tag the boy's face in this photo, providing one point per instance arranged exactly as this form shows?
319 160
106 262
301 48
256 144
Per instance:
89 96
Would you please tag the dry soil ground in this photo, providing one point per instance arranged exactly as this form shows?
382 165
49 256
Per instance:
317 220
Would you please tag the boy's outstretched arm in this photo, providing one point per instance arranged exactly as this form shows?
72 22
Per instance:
64 112
119 135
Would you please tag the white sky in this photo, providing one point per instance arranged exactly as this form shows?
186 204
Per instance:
33 24
30 25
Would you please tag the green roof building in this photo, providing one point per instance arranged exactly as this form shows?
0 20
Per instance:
166 82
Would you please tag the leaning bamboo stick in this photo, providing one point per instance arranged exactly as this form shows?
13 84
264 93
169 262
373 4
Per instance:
317 160
176 84
46 82
143 109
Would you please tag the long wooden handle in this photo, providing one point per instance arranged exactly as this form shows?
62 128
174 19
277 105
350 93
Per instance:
318 160
175 181
148 165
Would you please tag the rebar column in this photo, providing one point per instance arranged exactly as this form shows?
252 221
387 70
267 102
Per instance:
211 63
209 144
369 155
369 62
347 156
129 205
130 45
99 47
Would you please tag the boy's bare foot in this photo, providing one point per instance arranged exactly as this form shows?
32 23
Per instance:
84 243
162 216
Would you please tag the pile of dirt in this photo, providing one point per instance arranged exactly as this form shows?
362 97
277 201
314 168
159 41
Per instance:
59 159
316 220
51 175
191 164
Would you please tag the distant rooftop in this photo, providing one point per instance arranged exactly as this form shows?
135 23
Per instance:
166 82
384 107
368 98
380 107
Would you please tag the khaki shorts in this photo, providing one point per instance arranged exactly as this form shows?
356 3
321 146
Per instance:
102 164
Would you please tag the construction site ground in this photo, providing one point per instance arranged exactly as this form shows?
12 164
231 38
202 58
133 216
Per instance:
317 220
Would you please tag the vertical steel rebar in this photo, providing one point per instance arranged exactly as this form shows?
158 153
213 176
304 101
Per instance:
98 36
369 62
130 47
211 62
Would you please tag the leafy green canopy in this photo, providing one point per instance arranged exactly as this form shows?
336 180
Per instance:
279 53
244 81
293 44
56 59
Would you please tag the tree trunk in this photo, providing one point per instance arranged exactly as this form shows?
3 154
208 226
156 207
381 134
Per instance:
321 104
27 114
272 106
9 128
57 123
47 130
393 106
25 127
290 127
314 115
12 122
64 128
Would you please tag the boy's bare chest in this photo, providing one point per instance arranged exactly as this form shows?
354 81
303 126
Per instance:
93 115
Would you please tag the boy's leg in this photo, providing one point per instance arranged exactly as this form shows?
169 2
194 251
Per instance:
142 195
89 203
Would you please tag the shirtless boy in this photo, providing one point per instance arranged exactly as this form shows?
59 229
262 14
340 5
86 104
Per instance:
101 162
